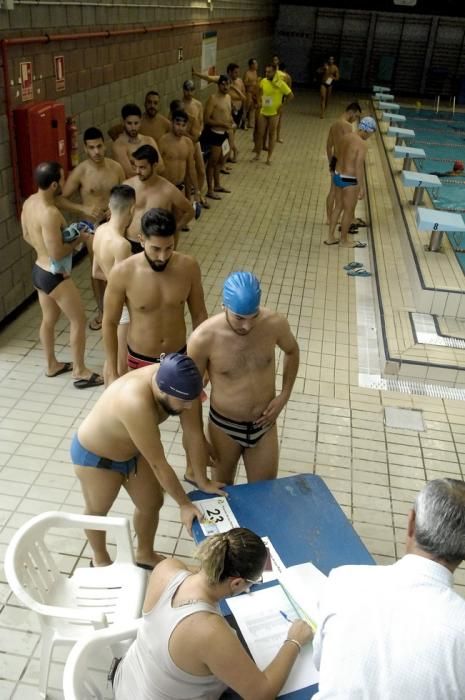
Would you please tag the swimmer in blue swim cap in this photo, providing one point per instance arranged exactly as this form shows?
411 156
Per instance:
237 348
348 179
242 293
119 444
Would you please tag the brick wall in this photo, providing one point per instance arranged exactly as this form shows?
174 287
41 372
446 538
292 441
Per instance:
104 73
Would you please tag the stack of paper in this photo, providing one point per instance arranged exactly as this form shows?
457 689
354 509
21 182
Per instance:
303 585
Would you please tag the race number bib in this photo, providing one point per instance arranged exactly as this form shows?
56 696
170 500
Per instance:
217 515
225 147
267 101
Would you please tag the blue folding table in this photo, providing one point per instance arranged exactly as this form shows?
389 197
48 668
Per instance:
304 523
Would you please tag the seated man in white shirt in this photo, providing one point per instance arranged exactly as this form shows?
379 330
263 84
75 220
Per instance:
398 632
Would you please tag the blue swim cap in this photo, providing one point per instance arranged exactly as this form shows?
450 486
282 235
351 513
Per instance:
179 376
241 293
367 124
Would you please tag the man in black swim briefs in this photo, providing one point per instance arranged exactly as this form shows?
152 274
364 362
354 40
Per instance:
42 225
237 349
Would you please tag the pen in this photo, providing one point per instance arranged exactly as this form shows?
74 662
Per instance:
285 616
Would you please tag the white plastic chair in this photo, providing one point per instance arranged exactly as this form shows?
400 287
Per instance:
83 679
70 607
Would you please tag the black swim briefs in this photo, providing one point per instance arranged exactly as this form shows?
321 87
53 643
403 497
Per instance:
44 280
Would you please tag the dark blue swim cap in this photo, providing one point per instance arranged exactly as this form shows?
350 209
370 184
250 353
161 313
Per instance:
178 376
241 293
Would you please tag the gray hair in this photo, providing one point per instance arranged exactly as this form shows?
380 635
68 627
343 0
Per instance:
440 519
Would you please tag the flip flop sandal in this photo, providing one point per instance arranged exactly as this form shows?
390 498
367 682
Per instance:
360 223
331 242
359 273
222 189
93 381
95 325
190 481
360 244
205 205
67 367
354 265
213 196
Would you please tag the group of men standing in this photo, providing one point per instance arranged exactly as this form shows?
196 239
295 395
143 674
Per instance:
134 206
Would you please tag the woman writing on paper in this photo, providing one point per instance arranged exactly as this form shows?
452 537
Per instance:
185 649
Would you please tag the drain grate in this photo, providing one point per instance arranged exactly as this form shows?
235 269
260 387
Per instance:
405 418
406 386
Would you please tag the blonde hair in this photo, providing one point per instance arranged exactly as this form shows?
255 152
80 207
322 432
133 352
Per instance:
238 552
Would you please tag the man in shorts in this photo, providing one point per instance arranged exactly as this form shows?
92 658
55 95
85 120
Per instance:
43 224
237 349
119 444
348 179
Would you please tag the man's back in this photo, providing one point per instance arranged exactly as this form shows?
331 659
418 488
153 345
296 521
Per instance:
37 219
109 247
391 632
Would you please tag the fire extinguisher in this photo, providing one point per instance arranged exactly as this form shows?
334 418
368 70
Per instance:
72 142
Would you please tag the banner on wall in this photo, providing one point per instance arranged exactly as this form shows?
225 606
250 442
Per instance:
209 46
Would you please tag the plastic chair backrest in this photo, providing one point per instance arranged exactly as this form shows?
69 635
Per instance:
35 567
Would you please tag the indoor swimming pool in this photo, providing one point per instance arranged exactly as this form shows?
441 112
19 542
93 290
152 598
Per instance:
443 140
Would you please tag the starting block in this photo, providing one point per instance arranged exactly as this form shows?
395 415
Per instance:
408 153
391 106
386 96
419 181
380 88
389 117
400 134
438 222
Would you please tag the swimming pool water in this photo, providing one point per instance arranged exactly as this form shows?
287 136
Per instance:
443 140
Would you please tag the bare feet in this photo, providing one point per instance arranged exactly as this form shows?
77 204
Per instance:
212 195
98 561
96 323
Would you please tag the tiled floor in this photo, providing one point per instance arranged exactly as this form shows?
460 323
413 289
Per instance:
273 223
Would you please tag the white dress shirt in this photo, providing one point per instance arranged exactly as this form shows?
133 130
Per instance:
391 633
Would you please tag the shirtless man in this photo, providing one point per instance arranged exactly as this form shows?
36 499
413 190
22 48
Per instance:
42 224
348 180
153 123
329 73
153 191
194 109
119 444
272 90
130 140
251 92
218 122
177 151
237 349
337 130
155 285
110 247
92 180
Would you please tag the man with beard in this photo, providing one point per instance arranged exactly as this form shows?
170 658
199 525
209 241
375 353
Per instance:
155 285
119 444
110 247
153 191
130 140
237 349
42 225
153 123
92 180
272 90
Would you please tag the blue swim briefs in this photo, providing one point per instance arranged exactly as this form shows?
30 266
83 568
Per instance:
344 180
84 458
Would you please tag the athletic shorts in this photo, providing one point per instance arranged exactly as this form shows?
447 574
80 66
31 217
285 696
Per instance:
85 458
342 181
44 280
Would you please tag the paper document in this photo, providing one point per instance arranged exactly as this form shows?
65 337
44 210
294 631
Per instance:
303 585
217 515
265 629
273 565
